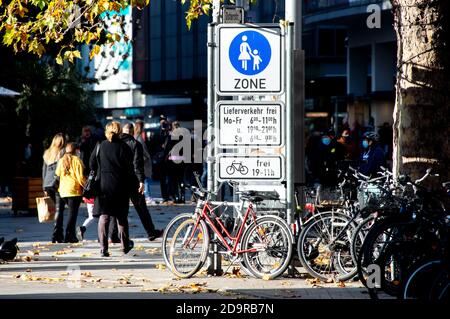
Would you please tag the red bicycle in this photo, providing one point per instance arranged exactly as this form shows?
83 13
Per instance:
262 244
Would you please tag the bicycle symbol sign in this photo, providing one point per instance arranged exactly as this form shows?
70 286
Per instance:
244 167
250 53
237 167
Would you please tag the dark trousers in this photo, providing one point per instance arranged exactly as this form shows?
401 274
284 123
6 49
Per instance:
176 181
139 204
73 204
58 231
163 174
123 231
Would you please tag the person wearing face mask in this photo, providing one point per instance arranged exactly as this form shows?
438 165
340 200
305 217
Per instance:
350 147
372 158
333 153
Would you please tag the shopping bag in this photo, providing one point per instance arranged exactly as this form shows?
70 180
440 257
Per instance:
46 209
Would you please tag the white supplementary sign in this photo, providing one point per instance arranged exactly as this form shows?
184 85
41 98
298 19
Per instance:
248 167
250 60
233 15
250 124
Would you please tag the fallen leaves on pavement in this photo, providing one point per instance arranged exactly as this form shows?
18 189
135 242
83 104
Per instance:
267 277
26 277
76 245
63 252
124 281
314 282
192 288
152 251
235 273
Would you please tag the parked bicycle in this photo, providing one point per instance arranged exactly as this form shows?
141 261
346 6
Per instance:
262 244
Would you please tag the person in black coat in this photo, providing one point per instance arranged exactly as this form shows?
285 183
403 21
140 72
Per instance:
137 195
86 144
115 164
373 157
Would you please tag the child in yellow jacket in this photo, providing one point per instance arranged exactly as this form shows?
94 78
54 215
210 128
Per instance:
71 180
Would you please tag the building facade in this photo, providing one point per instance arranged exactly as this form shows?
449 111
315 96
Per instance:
350 48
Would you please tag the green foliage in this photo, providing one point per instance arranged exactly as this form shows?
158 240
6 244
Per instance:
53 99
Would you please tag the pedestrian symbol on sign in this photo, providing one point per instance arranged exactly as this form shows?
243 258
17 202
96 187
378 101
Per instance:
250 53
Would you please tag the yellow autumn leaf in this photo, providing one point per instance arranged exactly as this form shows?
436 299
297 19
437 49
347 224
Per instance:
95 50
266 277
26 258
160 266
77 54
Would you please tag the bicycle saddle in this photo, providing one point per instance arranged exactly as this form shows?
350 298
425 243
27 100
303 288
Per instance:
259 196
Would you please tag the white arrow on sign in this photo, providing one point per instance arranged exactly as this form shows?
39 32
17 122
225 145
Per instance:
244 167
250 123
250 60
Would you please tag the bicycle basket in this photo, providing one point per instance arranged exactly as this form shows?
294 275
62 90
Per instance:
369 197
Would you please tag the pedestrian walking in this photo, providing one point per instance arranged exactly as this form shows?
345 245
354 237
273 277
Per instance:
176 165
137 193
161 149
115 166
139 135
86 145
51 157
89 220
71 180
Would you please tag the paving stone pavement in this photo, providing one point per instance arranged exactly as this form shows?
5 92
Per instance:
46 270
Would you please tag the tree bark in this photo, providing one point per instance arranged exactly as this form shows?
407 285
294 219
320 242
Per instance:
422 108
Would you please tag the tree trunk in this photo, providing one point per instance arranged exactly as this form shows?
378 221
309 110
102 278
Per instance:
422 108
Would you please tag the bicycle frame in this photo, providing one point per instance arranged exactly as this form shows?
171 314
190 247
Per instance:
236 240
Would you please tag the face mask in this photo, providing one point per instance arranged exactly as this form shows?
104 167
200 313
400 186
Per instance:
326 140
365 144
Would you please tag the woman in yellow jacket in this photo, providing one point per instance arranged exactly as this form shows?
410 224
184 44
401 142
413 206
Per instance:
71 180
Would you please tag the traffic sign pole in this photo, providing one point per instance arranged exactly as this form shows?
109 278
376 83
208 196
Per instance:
215 261
289 124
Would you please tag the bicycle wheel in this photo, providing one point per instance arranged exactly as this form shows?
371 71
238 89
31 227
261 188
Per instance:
376 241
322 255
359 235
420 280
271 239
168 235
189 248
440 289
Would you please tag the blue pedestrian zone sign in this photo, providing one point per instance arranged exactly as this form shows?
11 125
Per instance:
250 53
250 60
